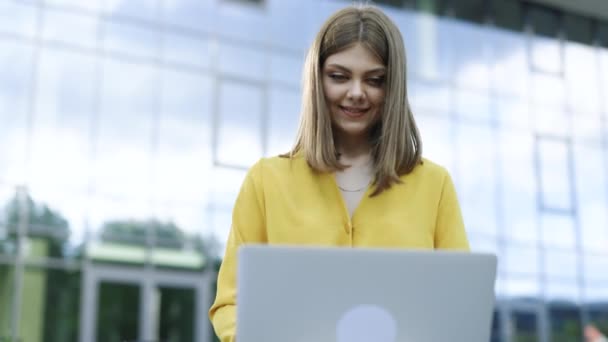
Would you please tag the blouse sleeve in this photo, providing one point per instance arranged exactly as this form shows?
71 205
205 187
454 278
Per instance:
248 226
449 229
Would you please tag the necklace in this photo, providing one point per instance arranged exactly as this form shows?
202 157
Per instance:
353 190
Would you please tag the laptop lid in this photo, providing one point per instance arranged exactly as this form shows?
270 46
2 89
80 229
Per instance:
355 295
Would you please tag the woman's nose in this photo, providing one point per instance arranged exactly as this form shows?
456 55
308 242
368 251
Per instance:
355 92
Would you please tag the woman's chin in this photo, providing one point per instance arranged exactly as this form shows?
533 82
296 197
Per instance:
353 130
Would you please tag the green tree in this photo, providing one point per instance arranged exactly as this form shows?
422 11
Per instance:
42 223
133 232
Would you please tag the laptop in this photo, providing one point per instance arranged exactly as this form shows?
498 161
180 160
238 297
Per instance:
311 294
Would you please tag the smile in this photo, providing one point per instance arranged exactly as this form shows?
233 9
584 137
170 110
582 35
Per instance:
353 112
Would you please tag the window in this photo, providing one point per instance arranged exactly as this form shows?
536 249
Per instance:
554 175
283 120
543 20
471 10
598 315
602 34
565 321
394 3
507 14
496 327
248 2
240 124
578 28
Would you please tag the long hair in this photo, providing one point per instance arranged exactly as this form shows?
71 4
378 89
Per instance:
395 139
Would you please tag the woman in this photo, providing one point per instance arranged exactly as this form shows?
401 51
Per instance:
355 177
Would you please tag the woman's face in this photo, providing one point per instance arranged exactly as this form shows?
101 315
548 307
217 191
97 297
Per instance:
353 83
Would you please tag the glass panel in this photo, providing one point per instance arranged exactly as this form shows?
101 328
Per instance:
127 38
145 9
240 124
476 185
561 264
183 160
177 314
65 103
55 219
61 305
563 290
199 15
69 27
182 227
496 332
595 266
7 283
427 42
283 123
524 326
603 70
93 5
483 244
248 23
500 284
598 316
122 221
286 69
582 68
591 180
558 231
10 211
521 260
586 129
518 186
297 15
509 62
566 323
118 312
221 220
225 186
36 293
469 44
474 105
242 61
596 291
549 121
548 90
15 89
545 55
191 50
426 97
554 174
18 18
437 136
129 103
513 113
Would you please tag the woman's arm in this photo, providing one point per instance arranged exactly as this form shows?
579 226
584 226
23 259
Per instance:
449 228
248 226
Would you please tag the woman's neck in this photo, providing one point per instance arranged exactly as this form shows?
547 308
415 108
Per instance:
353 151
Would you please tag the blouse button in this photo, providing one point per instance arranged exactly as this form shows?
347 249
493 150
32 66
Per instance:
347 228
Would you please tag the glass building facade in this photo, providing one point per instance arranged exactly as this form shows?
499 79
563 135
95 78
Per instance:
127 127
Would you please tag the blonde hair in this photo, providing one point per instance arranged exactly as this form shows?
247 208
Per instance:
396 144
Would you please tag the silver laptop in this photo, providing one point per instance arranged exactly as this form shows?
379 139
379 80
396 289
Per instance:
305 294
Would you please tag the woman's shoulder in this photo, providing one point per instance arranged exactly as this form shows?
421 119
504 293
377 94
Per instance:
278 166
429 170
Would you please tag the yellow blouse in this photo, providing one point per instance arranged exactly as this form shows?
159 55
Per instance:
284 201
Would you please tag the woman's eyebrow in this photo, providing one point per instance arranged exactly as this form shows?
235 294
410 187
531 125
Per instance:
343 68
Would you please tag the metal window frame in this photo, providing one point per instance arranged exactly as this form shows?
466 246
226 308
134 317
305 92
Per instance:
148 280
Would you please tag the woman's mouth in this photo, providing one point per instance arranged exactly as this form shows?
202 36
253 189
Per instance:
354 112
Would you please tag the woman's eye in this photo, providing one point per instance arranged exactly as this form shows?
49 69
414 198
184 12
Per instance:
337 77
376 81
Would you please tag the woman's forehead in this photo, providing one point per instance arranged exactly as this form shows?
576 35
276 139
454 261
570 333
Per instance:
356 57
